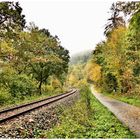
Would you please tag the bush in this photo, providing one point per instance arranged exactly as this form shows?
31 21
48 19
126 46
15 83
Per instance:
110 83
4 96
18 85
21 85
48 88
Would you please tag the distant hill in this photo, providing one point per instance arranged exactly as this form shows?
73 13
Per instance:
81 57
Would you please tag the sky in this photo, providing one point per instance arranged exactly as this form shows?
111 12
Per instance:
79 24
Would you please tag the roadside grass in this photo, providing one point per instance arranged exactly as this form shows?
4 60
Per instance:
130 99
87 118
127 98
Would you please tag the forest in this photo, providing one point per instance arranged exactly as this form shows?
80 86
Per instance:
34 65
32 61
115 63
113 67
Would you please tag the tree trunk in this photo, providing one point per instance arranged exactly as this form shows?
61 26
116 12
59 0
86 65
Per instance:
39 87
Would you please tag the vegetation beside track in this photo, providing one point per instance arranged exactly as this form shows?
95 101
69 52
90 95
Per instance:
28 99
32 60
32 124
88 119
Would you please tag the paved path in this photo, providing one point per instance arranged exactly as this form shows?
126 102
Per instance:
129 115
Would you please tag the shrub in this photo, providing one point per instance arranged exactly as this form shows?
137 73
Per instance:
4 96
21 85
48 88
110 83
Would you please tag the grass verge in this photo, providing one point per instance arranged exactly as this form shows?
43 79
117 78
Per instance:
127 98
88 119
133 100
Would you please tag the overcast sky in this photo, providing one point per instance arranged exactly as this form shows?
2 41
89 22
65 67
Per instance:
79 24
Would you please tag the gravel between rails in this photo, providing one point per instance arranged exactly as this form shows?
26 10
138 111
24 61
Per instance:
129 115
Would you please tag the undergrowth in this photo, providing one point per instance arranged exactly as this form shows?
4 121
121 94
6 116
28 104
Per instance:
88 119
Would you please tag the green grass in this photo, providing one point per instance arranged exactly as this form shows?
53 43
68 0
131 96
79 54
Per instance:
130 99
127 98
88 119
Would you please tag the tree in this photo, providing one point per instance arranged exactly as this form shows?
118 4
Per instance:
11 18
130 8
132 74
93 71
28 58
115 20
98 53
41 55
115 60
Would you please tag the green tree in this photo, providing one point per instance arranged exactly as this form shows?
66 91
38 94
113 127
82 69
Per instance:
41 55
11 18
133 55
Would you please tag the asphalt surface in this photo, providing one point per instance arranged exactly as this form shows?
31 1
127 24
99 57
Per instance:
129 115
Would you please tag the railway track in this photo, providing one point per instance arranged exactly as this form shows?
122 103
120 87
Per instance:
14 112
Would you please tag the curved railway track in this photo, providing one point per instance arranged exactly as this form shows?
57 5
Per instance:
14 112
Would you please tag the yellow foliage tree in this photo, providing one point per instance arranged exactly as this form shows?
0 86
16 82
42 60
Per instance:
72 79
7 51
56 83
114 52
93 71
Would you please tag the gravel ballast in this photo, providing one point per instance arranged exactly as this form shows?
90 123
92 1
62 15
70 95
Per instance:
31 124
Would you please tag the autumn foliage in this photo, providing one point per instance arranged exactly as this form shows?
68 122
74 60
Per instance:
29 56
115 66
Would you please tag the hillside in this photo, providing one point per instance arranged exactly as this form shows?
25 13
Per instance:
81 57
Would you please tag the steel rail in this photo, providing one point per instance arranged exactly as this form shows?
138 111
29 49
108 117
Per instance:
55 98
27 104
